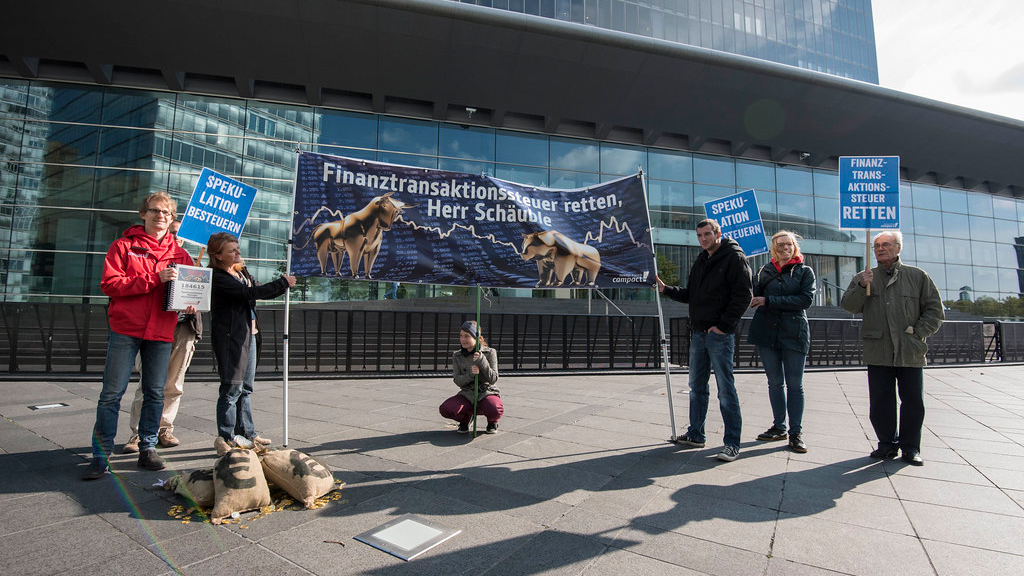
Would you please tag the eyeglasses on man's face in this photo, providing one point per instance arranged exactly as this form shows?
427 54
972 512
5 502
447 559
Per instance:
165 213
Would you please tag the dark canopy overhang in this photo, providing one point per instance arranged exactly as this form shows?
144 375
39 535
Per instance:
480 66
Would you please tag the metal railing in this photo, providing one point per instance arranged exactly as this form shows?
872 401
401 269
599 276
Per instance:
71 339
836 342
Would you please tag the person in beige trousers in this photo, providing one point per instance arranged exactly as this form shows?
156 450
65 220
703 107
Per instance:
188 330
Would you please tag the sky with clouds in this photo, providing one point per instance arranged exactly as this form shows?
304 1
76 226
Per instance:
964 53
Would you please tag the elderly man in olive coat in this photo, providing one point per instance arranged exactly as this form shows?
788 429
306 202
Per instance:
901 312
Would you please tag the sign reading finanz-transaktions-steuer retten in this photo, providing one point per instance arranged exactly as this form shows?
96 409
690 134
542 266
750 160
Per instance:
869 192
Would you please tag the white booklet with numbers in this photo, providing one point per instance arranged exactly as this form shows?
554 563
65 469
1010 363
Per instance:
192 287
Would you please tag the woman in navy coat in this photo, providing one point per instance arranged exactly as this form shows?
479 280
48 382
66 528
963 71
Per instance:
235 334
783 291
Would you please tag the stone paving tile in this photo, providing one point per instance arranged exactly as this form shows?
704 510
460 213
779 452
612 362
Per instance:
954 560
615 562
849 549
578 481
955 495
967 527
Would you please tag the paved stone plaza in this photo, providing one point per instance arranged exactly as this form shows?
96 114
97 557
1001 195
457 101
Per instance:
579 480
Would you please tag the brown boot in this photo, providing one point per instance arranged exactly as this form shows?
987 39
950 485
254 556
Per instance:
166 439
132 445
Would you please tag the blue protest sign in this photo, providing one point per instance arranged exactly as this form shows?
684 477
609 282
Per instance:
218 204
869 192
740 220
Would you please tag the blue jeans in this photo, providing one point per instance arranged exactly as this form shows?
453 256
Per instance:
785 366
707 351
121 352
234 410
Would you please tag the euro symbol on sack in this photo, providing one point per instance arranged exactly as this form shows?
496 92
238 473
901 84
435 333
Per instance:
303 465
227 474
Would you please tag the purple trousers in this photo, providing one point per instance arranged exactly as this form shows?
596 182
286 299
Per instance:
460 408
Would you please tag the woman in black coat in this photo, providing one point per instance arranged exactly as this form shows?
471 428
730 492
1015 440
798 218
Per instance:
783 291
235 334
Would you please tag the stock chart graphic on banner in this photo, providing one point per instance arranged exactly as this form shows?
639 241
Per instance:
370 220
869 192
740 219
218 204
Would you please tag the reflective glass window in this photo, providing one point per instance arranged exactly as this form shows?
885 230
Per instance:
938 274
467 166
794 207
983 254
570 180
714 170
906 195
466 142
928 222
133 108
347 152
64 143
958 251
408 160
522 174
986 283
929 249
953 200
670 165
520 148
794 179
1003 207
1006 256
126 148
981 229
1006 231
979 204
955 225
703 193
756 175
349 129
572 154
671 196
404 135
65 104
1010 283
909 251
959 277
926 196
622 159
826 183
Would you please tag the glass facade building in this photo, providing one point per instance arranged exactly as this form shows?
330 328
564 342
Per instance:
76 159
832 36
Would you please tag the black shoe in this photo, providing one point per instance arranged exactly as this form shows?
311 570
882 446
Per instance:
492 428
96 469
150 460
772 434
913 458
688 440
885 452
796 444
464 427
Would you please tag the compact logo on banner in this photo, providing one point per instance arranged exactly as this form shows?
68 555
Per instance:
869 192
740 219
218 204
361 219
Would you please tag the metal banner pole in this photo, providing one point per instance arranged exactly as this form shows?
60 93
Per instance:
287 308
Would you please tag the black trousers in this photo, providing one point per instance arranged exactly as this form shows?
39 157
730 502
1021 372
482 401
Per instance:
883 384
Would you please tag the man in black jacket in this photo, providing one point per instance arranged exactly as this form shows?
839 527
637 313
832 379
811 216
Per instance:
718 292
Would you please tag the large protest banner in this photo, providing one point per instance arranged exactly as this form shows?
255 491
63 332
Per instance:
361 219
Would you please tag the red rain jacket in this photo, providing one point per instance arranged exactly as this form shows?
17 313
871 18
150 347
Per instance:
131 280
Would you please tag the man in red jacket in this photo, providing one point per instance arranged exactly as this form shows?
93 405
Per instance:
134 273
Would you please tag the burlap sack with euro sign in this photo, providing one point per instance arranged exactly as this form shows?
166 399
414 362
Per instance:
300 475
195 486
238 484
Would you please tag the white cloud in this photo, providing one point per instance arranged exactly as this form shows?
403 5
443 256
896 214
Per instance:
963 53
